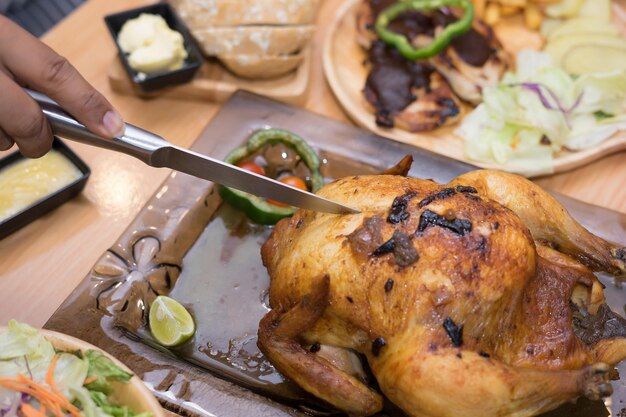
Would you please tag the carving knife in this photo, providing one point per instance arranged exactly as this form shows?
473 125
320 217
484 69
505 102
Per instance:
157 152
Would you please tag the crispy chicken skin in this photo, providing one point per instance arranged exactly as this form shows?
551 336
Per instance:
461 297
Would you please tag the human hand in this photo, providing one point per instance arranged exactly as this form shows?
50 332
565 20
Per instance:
26 62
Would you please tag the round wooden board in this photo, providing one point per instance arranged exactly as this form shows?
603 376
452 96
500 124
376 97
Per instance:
343 61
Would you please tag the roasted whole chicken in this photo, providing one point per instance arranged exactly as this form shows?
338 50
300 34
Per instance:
474 298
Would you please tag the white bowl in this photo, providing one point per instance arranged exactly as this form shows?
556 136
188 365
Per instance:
134 394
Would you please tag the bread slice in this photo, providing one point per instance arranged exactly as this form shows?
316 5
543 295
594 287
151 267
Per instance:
261 66
200 14
261 40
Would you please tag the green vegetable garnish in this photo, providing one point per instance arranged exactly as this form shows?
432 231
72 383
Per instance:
600 115
69 383
256 208
102 370
439 43
539 110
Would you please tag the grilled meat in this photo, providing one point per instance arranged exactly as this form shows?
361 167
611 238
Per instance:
471 62
408 94
464 298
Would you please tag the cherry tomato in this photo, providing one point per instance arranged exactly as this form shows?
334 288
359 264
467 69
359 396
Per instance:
252 167
294 182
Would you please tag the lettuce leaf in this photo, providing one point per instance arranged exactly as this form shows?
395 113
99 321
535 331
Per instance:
86 403
23 349
538 111
21 340
104 370
70 371
604 93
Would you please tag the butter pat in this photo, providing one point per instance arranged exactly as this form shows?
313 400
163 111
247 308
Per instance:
29 180
152 46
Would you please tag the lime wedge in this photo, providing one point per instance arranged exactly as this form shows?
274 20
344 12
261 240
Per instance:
170 322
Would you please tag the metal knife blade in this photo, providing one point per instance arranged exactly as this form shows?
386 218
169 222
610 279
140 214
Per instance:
157 152
220 172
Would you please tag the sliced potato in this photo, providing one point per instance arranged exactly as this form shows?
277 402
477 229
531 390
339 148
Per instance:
600 9
492 14
506 10
512 3
547 15
532 17
479 8
566 8
562 46
584 25
587 59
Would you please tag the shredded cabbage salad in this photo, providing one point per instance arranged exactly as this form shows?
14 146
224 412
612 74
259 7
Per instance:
539 110
37 381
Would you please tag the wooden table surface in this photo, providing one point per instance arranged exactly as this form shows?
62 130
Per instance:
41 264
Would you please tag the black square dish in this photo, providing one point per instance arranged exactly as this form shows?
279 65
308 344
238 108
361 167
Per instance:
161 79
52 200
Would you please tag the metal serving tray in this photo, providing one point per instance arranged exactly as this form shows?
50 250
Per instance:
186 244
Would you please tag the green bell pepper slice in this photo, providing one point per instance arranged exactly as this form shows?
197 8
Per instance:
439 43
257 208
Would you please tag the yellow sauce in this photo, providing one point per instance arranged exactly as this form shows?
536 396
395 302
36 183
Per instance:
29 180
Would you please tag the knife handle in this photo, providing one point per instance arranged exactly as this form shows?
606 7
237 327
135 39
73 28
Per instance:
135 141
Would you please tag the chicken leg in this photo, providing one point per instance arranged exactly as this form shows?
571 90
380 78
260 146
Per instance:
452 382
277 340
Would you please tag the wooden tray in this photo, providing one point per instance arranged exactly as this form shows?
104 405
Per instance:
177 245
213 82
343 66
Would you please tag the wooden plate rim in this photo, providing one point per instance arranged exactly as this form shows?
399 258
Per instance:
564 161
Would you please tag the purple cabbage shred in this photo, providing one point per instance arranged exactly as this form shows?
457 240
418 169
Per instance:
539 89
11 409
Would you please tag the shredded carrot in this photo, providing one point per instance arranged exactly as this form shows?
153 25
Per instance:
90 380
14 385
30 411
56 409
50 373
44 397
40 396
50 399
40 388
50 381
